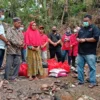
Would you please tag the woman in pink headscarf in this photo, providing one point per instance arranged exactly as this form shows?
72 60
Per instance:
33 42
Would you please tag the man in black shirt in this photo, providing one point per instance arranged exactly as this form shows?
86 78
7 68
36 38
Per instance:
55 44
88 37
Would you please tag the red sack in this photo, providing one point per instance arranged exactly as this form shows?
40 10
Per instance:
65 66
23 69
52 63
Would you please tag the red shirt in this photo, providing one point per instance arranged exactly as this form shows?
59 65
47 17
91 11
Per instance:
44 40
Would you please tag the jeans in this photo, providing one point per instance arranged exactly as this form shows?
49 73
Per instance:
13 62
23 55
2 52
91 61
57 52
64 53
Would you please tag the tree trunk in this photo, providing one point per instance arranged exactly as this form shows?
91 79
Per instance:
65 10
50 11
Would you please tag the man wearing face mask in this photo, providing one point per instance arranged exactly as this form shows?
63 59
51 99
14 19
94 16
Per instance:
3 40
15 37
87 37
55 44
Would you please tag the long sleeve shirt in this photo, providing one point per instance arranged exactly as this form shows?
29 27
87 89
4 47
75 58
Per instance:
15 38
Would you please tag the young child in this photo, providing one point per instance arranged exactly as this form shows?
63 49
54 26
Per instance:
73 47
44 50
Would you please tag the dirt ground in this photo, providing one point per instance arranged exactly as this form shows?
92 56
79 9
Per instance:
23 89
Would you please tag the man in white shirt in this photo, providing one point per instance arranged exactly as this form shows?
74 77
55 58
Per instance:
3 40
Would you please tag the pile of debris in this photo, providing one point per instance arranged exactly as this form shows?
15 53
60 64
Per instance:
54 91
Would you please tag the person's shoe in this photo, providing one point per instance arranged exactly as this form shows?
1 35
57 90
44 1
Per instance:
75 75
79 83
92 85
75 71
73 68
2 68
87 80
30 78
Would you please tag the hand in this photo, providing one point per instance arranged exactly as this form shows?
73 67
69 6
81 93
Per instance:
37 49
55 44
8 43
22 45
42 46
33 48
66 39
78 39
82 40
71 46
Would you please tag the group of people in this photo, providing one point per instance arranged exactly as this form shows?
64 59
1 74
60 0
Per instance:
32 44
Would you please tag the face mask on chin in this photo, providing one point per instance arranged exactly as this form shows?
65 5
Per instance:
21 28
85 24
2 17
68 31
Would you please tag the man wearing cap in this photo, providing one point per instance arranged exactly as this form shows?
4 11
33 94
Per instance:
3 40
87 37
15 37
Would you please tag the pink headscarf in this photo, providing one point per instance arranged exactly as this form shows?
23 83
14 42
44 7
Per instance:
32 37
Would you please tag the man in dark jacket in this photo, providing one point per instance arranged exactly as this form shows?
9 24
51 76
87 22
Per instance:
87 37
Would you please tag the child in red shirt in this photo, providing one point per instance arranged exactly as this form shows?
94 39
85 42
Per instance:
73 47
44 44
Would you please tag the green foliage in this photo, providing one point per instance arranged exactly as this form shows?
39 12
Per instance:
74 9
44 12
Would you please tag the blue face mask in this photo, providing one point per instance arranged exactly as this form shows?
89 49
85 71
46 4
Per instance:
2 17
85 24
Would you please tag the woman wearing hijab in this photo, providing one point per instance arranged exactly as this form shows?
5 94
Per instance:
33 42
66 45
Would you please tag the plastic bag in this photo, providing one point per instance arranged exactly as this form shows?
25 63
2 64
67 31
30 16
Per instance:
58 70
60 74
52 63
23 69
65 66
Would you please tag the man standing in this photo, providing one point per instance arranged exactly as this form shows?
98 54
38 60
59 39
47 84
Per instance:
3 40
15 37
88 37
55 44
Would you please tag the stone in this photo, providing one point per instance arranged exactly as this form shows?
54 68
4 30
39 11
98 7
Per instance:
62 95
11 96
80 98
44 86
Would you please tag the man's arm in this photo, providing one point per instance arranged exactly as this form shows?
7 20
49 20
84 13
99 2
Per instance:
58 42
3 38
90 40
50 41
